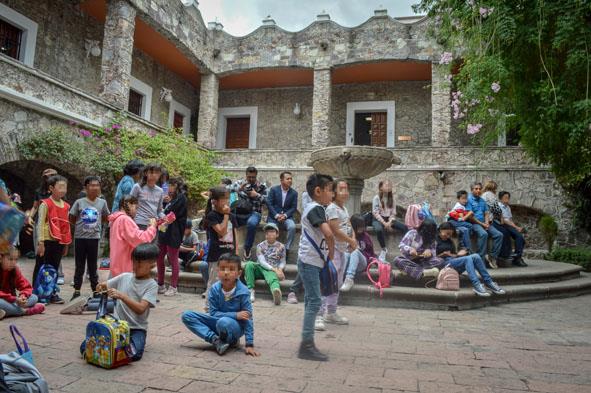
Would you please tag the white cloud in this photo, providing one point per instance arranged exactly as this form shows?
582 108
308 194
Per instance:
241 17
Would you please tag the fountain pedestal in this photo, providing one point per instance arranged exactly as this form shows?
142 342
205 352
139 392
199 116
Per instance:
353 164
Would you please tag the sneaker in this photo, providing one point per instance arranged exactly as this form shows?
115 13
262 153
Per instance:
171 291
335 319
76 306
319 324
204 295
495 288
292 298
56 299
308 351
480 291
161 289
383 253
246 255
220 346
75 295
492 263
60 281
36 309
347 285
431 273
2 314
277 296
518 261
252 295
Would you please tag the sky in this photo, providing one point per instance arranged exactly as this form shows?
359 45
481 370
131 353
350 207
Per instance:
240 17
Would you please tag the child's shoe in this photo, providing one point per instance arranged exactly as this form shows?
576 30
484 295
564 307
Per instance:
252 295
220 346
161 289
319 324
292 298
336 319
431 273
480 291
382 256
2 314
171 291
495 288
277 296
76 306
60 280
56 299
308 351
75 295
347 285
36 309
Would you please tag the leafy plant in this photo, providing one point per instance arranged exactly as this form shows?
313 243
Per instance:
577 256
549 229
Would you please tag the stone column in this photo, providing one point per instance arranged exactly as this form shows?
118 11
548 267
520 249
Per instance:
321 100
207 127
117 53
353 204
440 106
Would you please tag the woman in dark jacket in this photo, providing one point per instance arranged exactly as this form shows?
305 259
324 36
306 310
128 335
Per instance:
170 236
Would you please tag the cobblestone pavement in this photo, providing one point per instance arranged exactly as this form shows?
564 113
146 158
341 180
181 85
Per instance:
539 346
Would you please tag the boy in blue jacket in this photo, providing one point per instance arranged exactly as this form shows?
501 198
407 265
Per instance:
230 310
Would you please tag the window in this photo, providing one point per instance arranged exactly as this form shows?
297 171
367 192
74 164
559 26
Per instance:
18 35
10 40
237 128
179 116
177 122
136 101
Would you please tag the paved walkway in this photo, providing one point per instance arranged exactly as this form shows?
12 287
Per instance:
539 346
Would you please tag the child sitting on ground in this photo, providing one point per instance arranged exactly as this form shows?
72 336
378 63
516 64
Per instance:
230 310
136 293
13 281
270 264
359 258
459 217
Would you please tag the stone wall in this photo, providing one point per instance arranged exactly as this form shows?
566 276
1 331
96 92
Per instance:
277 126
412 108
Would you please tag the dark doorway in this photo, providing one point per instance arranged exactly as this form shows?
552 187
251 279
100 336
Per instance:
370 129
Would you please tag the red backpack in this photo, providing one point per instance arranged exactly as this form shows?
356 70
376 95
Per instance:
384 274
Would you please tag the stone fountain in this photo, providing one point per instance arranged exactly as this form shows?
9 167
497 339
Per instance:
354 164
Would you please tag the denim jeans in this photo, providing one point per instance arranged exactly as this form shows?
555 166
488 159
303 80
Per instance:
251 223
310 275
483 235
297 285
138 342
208 327
519 239
506 244
204 270
357 263
471 264
289 226
13 310
465 229
379 229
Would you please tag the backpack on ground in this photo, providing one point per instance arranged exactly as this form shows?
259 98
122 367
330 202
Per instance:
448 279
107 340
17 372
46 283
384 274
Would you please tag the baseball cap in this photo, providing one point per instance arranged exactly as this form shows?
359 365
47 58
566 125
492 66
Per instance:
271 225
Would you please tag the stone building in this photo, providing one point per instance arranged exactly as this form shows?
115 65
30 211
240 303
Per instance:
266 99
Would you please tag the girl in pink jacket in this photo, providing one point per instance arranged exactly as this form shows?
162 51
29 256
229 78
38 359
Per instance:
126 235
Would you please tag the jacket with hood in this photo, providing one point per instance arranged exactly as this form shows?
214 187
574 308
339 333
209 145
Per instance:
240 301
125 236
10 282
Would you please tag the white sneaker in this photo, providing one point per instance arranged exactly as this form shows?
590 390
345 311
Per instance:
76 306
161 289
347 285
252 295
277 296
382 256
319 324
171 291
336 319
431 273
60 281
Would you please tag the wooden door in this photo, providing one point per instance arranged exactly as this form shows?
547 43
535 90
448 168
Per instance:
379 133
178 120
237 132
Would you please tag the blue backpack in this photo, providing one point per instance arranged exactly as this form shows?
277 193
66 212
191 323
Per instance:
46 283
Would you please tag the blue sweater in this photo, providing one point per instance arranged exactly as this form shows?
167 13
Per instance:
240 301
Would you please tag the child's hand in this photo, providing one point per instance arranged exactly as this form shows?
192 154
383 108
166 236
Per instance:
166 199
41 249
153 222
280 274
114 294
251 352
226 209
413 252
427 254
102 287
243 315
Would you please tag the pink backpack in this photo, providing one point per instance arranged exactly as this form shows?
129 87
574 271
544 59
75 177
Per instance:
448 279
384 274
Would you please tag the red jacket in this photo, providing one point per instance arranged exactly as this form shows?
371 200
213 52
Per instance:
10 282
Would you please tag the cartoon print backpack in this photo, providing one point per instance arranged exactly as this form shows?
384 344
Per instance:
448 279
46 283
107 340
384 274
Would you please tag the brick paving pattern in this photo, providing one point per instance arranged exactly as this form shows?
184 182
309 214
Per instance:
539 346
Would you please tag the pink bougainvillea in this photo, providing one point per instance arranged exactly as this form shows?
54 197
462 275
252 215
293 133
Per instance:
474 128
446 58
495 87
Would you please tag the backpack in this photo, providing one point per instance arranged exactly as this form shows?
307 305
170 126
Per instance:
448 279
46 283
107 340
329 278
384 274
17 372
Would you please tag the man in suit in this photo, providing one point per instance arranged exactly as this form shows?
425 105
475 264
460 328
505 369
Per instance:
282 203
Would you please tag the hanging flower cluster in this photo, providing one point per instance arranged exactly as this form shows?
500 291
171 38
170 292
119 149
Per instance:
474 128
455 104
446 58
